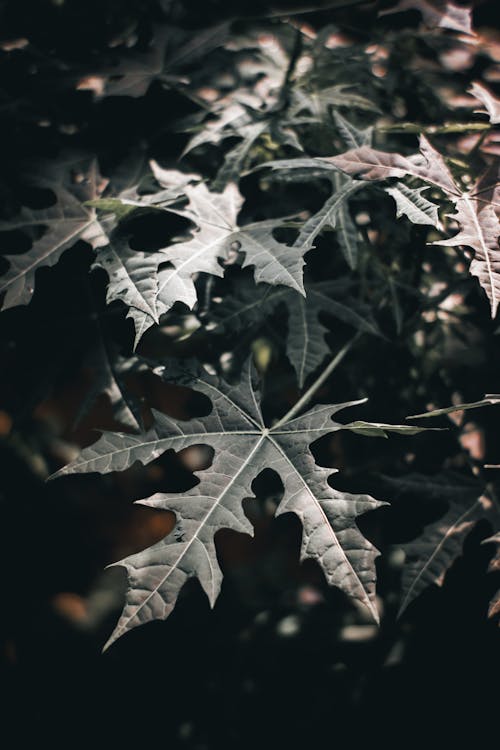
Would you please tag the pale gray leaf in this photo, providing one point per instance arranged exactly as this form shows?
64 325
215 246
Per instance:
317 102
411 203
489 102
380 429
486 401
132 276
346 230
235 159
480 230
329 214
306 347
216 216
352 136
74 181
243 447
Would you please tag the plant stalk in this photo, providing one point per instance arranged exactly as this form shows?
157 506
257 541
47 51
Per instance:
307 396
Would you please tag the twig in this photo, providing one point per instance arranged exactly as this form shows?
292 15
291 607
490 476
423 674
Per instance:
294 56
303 400
315 7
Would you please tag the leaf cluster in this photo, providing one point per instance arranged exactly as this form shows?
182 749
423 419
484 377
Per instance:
276 217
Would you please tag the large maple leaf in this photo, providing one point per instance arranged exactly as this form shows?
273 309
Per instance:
150 283
243 446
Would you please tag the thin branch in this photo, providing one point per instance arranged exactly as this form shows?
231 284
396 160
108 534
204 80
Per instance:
284 95
314 7
304 400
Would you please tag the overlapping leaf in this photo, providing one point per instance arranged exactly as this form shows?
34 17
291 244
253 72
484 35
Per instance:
108 371
216 216
416 207
150 283
431 555
370 164
494 608
334 213
74 181
170 51
249 112
476 216
306 348
491 103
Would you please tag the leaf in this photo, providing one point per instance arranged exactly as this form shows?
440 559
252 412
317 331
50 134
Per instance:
108 370
256 126
236 158
477 218
333 214
216 216
369 164
318 102
74 180
151 283
263 111
380 429
480 230
494 567
124 194
411 203
486 401
441 14
487 187
246 116
169 51
133 280
346 231
306 347
243 447
134 275
490 102
431 555
352 136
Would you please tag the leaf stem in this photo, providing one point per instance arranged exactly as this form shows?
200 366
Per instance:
284 96
307 396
